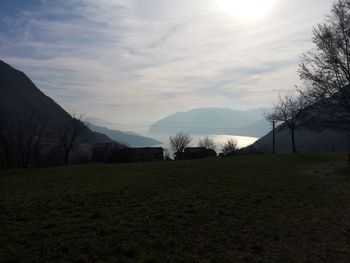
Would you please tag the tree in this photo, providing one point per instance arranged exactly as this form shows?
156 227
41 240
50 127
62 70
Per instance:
288 111
6 145
207 142
30 134
180 141
21 138
325 70
68 133
229 147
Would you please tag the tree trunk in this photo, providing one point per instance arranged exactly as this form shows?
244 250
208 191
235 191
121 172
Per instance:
26 160
273 137
66 158
293 141
7 154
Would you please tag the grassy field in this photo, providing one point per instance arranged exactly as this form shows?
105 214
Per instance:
244 209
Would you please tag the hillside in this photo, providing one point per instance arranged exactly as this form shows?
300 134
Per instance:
306 141
248 209
330 138
214 121
19 98
130 139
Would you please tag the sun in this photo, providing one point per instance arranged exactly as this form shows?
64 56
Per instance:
245 10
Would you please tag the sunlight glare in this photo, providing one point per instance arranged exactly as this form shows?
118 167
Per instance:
245 10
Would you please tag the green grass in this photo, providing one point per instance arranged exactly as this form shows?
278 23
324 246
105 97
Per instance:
245 209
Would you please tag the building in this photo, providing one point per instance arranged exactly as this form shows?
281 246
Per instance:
146 154
195 153
101 152
109 152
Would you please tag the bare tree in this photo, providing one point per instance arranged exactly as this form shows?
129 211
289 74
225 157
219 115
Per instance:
325 70
6 145
30 133
68 133
207 142
287 112
180 141
229 147
20 138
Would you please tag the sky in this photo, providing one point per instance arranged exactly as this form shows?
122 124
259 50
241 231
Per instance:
133 62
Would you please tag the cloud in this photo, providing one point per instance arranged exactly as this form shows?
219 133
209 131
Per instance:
151 58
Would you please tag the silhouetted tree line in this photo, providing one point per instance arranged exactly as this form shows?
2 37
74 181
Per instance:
206 147
35 140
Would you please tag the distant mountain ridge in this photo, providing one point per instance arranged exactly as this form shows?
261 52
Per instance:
215 121
128 138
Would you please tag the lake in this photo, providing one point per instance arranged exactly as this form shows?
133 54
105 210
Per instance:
219 140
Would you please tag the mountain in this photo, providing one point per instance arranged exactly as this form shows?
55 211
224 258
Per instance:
19 98
110 125
19 95
214 121
256 129
128 138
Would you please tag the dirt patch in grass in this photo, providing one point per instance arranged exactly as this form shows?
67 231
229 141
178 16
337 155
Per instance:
334 168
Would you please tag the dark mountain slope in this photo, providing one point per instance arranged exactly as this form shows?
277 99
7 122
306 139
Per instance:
19 96
329 134
307 140
20 99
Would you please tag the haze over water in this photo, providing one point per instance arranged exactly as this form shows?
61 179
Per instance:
219 140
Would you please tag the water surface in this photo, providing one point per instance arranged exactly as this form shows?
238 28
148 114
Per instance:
219 140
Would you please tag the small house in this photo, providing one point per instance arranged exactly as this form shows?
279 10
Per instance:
146 154
195 153
101 152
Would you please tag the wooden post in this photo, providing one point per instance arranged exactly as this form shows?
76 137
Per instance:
273 138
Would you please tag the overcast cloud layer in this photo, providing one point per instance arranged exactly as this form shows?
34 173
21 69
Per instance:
137 61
